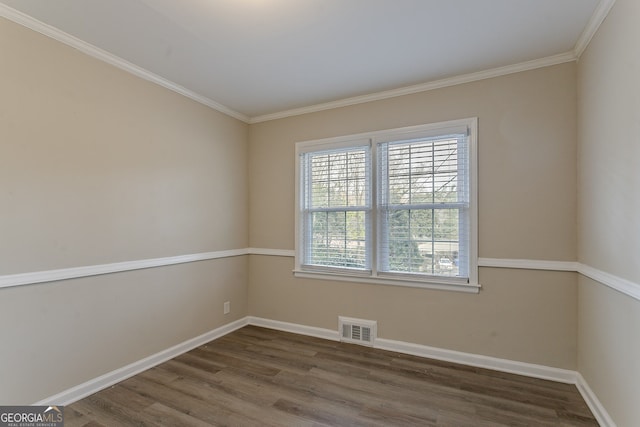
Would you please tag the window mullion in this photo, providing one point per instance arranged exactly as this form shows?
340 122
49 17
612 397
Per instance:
372 226
433 211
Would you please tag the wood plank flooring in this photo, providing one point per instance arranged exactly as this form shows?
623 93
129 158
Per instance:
261 377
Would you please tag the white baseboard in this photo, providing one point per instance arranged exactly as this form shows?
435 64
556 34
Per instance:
295 328
469 359
503 365
100 383
598 410
479 361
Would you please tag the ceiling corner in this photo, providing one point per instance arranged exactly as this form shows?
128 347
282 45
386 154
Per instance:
111 59
598 17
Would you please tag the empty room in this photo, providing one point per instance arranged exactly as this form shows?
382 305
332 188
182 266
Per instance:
320 212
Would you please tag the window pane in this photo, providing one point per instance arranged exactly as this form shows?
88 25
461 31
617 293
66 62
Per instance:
336 204
423 241
445 178
319 166
446 242
338 179
418 179
338 239
404 227
423 172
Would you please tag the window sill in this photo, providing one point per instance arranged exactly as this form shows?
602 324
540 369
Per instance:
423 284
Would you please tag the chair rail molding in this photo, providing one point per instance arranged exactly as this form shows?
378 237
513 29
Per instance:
612 281
31 278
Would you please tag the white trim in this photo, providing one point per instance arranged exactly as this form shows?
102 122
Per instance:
379 280
102 55
474 225
625 286
95 270
479 361
505 365
595 21
295 328
469 359
272 252
597 409
528 264
597 18
423 87
100 383
338 143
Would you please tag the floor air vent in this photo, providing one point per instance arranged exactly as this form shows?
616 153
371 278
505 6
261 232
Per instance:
357 331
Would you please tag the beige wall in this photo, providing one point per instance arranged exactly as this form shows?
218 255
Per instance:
609 147
58 335
526 155
609 349
609 203
98 166
527 209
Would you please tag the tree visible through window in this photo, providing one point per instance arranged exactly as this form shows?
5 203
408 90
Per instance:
413 219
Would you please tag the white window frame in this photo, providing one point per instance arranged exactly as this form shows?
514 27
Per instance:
373 276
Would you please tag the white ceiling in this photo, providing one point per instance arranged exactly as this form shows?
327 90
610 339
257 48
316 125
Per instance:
257 58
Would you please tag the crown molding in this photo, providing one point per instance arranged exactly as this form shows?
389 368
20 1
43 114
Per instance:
111 59
423 87
25 20
598 17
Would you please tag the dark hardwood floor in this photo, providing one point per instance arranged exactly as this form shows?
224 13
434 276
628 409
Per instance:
262 377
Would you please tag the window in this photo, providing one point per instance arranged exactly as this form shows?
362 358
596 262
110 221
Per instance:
394 207
337 207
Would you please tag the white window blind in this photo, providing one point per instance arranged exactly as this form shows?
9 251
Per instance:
423 206
336 207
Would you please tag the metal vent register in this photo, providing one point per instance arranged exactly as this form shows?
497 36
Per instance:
357 331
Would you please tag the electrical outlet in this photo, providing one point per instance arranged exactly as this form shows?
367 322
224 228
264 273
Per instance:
227 307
